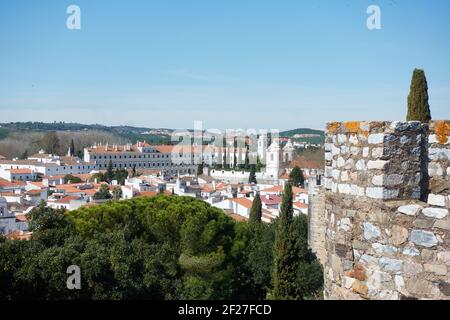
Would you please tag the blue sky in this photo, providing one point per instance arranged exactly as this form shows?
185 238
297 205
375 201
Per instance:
232 64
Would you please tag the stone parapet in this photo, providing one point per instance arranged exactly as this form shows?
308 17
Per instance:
376 159
386 210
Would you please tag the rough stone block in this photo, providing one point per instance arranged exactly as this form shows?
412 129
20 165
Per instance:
411 268
410 210
377 152
376 138
377 180
377 164
393 180
391 265
436 154
353 139
365 152
435 268
357 191
371 231
436 213
435 169
442 224
341 138
436 200
444 257
344 188
412 252
399 235
424 238
360 165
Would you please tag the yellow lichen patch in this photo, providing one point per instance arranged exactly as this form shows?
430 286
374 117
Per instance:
442 130
333 126
353 126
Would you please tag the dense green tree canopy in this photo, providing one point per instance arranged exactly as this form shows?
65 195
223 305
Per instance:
163 247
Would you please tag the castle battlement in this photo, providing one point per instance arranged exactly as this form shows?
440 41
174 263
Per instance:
385 211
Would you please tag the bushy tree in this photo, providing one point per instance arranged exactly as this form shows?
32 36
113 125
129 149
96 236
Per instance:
103 193
50 142
72 179
117 193
418 107
296 177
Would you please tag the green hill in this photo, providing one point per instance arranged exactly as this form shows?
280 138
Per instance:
305 135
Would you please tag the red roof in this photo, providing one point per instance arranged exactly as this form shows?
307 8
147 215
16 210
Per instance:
243 202
271 199
20 171
67 199
300 205
5 183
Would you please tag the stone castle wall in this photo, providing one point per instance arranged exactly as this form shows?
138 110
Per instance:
386 199
316 220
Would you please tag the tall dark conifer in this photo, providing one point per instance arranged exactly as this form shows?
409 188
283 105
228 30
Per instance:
256 211
286 251
418 107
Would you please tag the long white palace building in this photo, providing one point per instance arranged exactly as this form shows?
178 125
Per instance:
177 159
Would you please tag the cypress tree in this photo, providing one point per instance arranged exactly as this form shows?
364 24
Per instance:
247 160
200 169
110 172
418 107
256 211
72 148
252 176
286 252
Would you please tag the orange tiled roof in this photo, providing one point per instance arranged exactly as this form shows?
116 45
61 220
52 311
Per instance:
243 202
67 199
300 205
6 183
236 216
20 171
280 189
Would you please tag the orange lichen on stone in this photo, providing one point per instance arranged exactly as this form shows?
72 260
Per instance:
360 273
353 126
442 130
333 126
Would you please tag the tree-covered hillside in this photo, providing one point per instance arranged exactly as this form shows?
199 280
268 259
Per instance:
305 135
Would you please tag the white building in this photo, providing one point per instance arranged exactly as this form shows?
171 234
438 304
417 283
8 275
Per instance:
8 221
50 165
168 159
